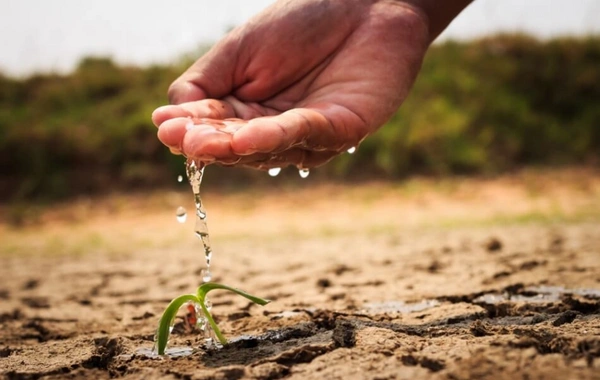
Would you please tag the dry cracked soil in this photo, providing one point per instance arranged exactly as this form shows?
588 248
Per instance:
454 279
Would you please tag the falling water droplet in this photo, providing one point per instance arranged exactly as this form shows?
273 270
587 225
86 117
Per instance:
273 172
352 150
304 173
206 275
181 214
180 178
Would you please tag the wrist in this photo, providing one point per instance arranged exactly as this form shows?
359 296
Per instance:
437 13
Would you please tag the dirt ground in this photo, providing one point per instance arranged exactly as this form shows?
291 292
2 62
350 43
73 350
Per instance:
426 279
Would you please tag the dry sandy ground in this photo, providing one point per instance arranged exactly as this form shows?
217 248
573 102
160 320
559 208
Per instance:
454 279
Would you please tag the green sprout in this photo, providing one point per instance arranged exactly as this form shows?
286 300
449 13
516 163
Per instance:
199 298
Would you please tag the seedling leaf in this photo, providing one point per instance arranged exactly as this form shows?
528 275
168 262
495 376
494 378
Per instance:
162 335
205 288
200 298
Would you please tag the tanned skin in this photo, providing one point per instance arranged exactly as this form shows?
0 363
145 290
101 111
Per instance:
301 82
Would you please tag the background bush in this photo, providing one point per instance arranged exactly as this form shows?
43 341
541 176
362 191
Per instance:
485 106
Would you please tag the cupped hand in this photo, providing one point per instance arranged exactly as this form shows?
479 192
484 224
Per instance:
296 85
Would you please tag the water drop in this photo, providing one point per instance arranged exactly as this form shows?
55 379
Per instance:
351 150
180 178
304 173
189 125
201 323
273 172
208 304
181 214
174 352
206 275
200 318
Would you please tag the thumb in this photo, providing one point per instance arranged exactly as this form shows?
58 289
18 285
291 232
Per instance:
211 76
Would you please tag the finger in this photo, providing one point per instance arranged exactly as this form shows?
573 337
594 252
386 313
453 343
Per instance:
200 138
307 128
207 108
208 144
299 158
211 141
295 131
171 132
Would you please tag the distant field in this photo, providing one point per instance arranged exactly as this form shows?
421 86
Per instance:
144 220
482 107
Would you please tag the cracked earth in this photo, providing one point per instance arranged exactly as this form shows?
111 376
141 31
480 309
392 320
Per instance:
379 283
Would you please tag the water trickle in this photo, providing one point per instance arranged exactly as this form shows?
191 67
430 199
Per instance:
304 173
274 172
180 178
351 150
201 324
195 172
211 340
181 214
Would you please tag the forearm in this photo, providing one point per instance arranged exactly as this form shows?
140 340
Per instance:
438 12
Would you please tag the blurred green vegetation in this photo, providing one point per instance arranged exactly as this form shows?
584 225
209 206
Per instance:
485 106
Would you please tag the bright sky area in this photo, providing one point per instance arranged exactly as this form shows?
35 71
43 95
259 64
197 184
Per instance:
42 35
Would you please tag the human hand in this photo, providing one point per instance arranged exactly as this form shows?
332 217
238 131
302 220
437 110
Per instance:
297 85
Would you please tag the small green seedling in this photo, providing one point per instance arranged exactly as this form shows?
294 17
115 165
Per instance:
170 312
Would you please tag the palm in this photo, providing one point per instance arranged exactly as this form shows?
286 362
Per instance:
302 95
